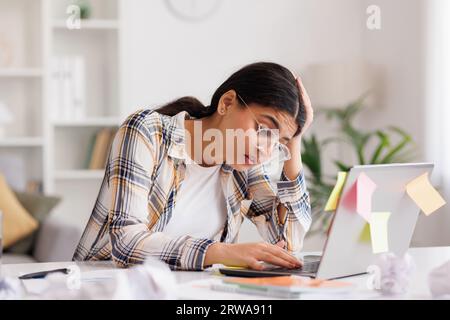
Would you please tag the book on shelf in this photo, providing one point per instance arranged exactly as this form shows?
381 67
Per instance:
99 148
67 87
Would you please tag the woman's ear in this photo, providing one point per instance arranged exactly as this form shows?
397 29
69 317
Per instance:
226 101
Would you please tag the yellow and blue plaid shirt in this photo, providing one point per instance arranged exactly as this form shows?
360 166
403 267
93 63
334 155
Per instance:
144 171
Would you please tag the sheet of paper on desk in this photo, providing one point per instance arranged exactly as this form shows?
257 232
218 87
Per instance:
35 286
379 231
424 194
336 193
100 275
359 197
39 286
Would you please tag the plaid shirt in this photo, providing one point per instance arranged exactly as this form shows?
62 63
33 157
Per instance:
145 168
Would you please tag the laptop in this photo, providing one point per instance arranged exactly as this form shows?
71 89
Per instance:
345 253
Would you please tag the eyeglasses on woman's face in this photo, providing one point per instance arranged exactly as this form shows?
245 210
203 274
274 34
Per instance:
268 140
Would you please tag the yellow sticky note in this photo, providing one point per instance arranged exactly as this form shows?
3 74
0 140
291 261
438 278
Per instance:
336 193
379 231
424 194
365 234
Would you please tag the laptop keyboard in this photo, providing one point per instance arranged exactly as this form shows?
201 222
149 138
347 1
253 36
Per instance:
308 267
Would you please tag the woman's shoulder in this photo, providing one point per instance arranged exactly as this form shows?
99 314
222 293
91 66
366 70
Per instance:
147 122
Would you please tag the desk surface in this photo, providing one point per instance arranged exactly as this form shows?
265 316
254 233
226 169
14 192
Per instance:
194 285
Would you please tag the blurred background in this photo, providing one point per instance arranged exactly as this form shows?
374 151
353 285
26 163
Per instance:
377 71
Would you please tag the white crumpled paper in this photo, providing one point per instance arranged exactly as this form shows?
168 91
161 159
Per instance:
10 289
151 280
395 273
439 281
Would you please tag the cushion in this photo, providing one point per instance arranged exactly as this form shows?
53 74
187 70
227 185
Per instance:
39 206
17 222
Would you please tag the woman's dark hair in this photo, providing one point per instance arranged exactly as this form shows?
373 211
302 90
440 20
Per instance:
265 83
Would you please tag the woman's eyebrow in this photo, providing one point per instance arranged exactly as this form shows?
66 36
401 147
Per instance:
275 123
273 120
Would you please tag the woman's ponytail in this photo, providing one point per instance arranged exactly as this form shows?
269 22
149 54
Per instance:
192 105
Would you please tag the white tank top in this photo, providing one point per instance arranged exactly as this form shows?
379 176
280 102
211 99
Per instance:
200 208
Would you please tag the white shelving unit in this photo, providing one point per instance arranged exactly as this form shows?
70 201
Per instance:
55 150
20 73
88 122
89 25
78 174
21 142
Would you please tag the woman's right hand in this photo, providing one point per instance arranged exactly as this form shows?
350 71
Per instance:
250 255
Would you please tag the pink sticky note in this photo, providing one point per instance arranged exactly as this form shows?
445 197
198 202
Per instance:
359 197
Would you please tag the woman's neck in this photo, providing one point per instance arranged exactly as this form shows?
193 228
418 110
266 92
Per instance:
195 144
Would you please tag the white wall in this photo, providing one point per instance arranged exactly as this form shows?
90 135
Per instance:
166 57
437 109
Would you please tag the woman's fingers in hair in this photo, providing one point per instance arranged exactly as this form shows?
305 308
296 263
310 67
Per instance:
307 103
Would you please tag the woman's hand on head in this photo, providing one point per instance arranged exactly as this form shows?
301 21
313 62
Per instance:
295 143
250 255
308 106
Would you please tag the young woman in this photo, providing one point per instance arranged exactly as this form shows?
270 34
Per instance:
167 193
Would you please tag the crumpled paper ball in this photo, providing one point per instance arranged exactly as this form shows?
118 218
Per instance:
439 281
151 280
395 273
10 289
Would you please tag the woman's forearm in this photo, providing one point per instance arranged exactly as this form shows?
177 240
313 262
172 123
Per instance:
214 254
292 169
293 166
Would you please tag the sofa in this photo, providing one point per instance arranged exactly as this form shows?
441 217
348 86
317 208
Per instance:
56 240
31 228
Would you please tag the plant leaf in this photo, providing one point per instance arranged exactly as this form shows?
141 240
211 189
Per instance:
406 139
384 143
342 166
311 157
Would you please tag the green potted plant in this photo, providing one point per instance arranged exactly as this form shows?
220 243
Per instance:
85 8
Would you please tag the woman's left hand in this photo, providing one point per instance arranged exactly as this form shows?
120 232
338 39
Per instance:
296 141
308 106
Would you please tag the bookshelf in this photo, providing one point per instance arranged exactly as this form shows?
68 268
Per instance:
21 91
20 73
78 174
94 24
54 149
89 122
22 142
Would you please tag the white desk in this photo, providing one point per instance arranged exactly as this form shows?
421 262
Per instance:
425 259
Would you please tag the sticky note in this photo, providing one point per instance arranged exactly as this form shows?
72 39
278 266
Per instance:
336 193
365 234
379 231
424 194
359 197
